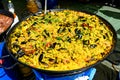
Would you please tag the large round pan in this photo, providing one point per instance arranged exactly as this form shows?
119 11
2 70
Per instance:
67 72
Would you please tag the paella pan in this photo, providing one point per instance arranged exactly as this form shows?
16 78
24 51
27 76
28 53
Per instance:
64 41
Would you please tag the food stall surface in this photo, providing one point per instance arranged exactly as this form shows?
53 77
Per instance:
108 69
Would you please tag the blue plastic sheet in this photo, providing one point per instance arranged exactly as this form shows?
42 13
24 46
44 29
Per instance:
86 75
7 74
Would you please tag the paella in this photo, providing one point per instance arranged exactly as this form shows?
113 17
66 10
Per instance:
62 40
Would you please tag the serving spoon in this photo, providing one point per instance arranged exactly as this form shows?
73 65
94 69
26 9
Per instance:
45 9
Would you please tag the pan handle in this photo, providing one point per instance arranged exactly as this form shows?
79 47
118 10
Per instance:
116 59
2 60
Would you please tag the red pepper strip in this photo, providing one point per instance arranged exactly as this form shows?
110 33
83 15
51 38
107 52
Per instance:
86 25
48 44
90 27
29 50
